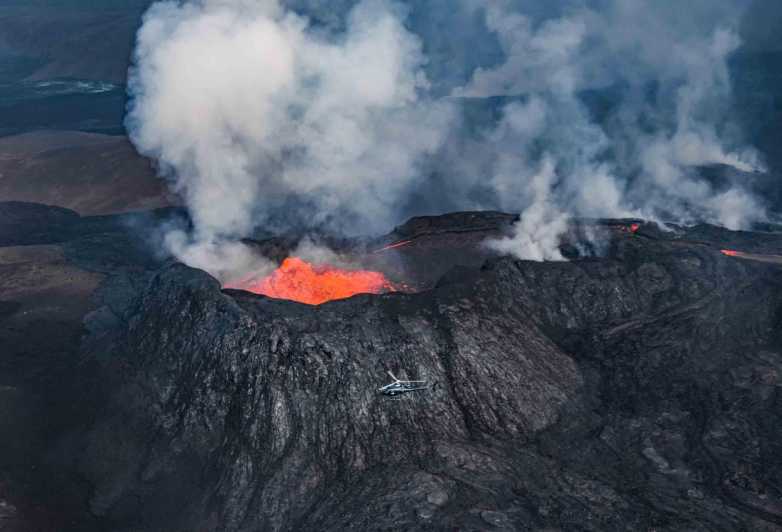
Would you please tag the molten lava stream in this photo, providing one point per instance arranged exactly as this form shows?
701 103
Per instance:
298 280
730 252
395 245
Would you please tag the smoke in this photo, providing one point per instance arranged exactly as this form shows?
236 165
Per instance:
644 158
227 260
253 113
351 115
537 233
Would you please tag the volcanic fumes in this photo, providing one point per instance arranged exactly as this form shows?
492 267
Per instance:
298 280
341 119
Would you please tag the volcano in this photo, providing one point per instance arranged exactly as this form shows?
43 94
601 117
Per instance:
634 390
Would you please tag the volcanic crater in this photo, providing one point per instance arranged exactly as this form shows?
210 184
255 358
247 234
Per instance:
634 390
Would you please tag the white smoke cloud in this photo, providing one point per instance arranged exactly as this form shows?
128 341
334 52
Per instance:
668 157
536 235
550 151
627 43
227 260
260 116
247 107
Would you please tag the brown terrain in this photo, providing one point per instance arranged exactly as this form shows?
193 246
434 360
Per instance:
86 172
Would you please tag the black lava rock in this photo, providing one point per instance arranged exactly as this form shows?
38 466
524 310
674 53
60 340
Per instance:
635 391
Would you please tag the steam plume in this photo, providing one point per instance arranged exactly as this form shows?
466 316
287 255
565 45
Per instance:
354 114
648 165
251 111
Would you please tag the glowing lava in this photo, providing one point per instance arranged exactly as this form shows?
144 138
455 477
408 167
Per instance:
730 252
298 280
393 246
632 228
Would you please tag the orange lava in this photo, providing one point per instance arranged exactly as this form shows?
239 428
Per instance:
730 252
298 280
632 228
393 246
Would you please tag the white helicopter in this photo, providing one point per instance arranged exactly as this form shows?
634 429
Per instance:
402 386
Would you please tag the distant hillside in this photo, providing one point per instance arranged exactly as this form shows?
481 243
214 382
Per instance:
67 39
92 39
89 173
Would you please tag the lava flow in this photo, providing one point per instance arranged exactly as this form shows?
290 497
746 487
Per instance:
730 252
632 228
298 280
393 246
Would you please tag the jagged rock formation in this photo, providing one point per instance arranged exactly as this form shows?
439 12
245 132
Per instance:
636 391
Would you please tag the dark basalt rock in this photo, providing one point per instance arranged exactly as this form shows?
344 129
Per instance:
32 223
455 222
636 391
25 224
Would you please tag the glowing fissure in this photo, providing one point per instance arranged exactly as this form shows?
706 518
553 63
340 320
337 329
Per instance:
299 280
632 228
393 246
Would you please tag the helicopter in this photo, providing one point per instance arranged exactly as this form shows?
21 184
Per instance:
402 386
